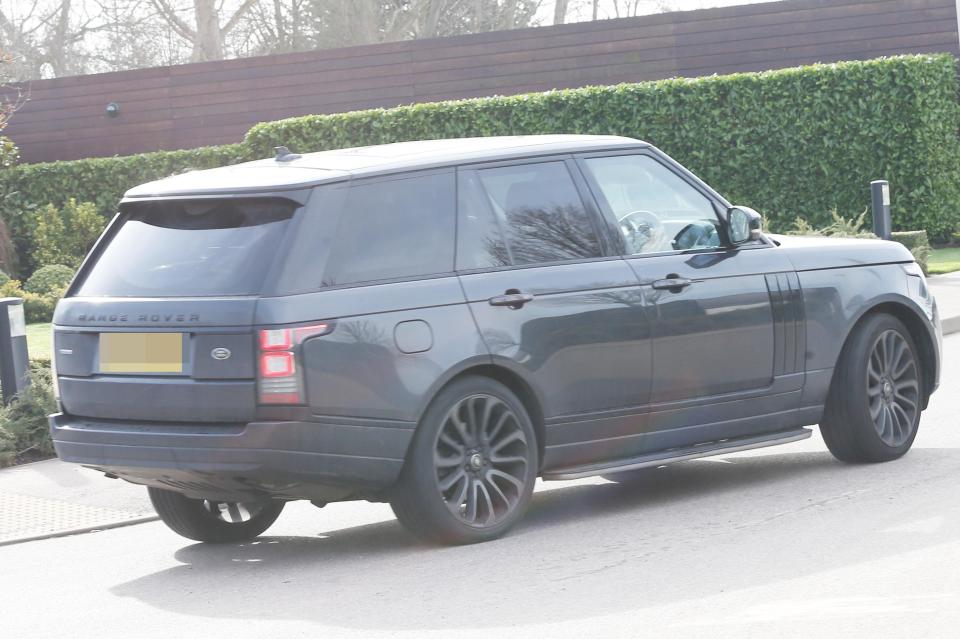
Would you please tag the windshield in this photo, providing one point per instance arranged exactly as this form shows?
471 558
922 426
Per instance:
190 248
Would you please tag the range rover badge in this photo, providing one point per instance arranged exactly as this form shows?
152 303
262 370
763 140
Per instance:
220 353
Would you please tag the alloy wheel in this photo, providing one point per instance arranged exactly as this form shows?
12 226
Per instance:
481 457
232 512
893 388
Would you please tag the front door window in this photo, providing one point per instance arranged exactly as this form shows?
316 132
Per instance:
655 208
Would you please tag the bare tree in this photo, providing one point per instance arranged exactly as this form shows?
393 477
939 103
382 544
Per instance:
51 38
560 11
43 36
599 9
202 27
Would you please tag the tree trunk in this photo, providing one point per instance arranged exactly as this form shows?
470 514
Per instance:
560 11
429 17
508 14
57 44
207 43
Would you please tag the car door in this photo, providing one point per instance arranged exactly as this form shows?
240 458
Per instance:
554 303
726 321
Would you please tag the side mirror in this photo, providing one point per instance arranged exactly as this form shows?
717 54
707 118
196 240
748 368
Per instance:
743 224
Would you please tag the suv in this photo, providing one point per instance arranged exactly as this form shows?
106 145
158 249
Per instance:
436 324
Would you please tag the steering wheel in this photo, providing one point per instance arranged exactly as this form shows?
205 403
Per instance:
699 234
643 231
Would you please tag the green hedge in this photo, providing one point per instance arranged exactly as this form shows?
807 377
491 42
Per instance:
790 143
29 187
919 244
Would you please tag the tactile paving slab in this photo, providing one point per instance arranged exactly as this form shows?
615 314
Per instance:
24 517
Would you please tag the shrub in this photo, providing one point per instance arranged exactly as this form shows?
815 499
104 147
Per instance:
9 153
8 252
23 423
50 280
36 307
4 278
8 448
918 244
839 226
915 241
63 236
27 188
790 143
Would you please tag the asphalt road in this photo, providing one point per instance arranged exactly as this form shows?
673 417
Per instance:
784 542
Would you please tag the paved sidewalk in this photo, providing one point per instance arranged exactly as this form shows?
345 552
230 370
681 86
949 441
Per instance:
52 498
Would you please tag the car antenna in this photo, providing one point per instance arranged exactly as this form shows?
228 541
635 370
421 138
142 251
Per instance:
283 154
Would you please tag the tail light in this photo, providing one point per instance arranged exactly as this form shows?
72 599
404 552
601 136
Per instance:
280 379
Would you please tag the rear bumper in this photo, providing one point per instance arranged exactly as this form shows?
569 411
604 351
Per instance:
339 458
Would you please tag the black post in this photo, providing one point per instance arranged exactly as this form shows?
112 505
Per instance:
880 196
14 360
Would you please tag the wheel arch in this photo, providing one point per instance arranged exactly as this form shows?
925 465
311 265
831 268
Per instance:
916 325
516 382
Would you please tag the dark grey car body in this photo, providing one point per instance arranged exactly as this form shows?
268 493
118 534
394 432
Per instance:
610 368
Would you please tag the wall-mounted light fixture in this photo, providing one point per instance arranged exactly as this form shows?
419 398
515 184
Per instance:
113 110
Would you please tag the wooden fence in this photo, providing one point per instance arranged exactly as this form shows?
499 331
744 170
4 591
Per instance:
217 102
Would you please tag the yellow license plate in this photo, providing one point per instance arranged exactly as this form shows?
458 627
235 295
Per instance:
141 352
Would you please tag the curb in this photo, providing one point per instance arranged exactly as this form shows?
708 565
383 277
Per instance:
950 325
79 531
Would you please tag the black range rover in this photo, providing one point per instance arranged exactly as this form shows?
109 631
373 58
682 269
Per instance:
436 324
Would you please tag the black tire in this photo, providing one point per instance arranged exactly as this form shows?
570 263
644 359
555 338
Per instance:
488 463
873 408
204 520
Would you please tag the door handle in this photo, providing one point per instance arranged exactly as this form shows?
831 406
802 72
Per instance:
673 283
512 298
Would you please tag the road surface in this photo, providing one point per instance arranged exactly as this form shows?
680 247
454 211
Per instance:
781 542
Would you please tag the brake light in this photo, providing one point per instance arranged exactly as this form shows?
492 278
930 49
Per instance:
280 380
277 364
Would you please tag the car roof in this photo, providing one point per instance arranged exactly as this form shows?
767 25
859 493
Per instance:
278 174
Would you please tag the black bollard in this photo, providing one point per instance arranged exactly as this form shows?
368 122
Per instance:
14 360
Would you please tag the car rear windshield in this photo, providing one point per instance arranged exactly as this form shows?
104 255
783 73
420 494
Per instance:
189 248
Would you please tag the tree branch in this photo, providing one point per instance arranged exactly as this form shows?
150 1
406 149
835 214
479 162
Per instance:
235 18
182 28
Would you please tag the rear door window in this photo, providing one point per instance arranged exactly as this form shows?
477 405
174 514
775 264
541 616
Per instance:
538 216
394 228
190 248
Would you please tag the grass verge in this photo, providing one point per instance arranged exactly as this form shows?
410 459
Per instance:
38 340
944 260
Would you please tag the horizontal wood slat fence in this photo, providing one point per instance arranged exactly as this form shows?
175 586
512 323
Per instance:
202 104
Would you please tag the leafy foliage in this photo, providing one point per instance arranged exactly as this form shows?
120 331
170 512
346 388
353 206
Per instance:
918 243
50 280
36 307
28 188
8 252
63 236
838 227
790 143
856 227
8 447
23 423
9 153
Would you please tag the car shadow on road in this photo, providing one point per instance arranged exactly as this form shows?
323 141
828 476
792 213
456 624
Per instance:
685 531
